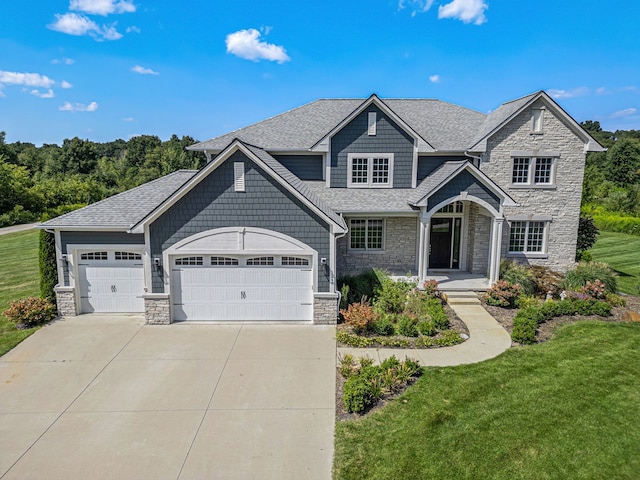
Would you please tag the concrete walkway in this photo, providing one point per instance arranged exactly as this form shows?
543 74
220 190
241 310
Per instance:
487 339
104 397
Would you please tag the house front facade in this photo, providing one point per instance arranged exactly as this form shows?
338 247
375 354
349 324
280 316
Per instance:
286 206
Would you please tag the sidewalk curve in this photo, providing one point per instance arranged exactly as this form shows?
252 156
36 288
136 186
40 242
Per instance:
487 339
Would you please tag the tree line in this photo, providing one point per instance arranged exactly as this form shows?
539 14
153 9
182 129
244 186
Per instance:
52 179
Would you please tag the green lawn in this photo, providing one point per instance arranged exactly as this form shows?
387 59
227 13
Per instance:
19 278
565 409
622 253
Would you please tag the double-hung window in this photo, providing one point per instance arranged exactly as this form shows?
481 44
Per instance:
370 170
533 171
527 237
366 234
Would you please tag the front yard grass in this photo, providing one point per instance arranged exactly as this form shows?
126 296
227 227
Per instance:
20 278
568 408
622 252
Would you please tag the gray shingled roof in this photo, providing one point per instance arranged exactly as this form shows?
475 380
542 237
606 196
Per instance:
300 186
124 209
433 181
443 125
350 200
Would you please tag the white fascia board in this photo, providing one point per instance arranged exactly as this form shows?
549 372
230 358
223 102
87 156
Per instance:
386 213
86 228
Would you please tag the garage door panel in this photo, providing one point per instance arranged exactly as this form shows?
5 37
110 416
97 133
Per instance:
111 288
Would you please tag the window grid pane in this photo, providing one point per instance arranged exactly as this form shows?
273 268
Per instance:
217 261
380 171
189 261
374 235
543 170
520 170
260 261
535 237
517 236
127 256
359 170
358 233
94 256
294 261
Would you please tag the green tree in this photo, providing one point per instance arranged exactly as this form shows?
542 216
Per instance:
79 156
48 264
623 162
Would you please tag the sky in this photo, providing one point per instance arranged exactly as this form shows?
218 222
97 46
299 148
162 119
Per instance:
108 69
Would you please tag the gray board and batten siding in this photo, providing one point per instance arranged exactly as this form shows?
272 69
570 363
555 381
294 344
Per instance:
389 138
305 167
214 203
464 182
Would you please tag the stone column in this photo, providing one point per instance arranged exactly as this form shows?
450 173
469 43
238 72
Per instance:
66 301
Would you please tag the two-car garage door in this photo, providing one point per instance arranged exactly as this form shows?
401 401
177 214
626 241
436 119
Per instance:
239 288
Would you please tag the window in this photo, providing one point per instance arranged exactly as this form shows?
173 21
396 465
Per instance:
94 256
366 234
370 170
218 261
371 123
127 256
294 261
537 116
260 261
533 171
455 207
189 261
527 237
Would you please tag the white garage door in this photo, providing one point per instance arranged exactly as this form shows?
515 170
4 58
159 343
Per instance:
269 288
111 281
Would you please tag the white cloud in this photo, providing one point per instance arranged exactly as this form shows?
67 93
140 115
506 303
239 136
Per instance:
246 44
63 61
28 79
434 78
78 107
561 93
66 84
417 6
128 119
627 112
468 11
133 29
74 24
102 7
38 93
602 91
144 71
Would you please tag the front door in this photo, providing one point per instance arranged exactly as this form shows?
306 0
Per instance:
440 248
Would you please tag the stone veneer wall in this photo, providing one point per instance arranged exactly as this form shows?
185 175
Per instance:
478 241
157 309
398 257
66 301
325 309
561 202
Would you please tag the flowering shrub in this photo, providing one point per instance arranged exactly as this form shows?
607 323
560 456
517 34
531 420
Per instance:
360 316
431 288
31 311
503 294
595 289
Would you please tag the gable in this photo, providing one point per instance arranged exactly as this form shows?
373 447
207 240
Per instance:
464 182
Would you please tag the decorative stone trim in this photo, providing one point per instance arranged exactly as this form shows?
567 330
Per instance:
325 309
66 301
157 309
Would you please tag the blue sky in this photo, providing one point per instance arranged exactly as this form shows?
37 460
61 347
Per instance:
107 69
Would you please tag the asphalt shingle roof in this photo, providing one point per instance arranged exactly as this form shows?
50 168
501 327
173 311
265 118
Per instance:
124 209
433 181
353 200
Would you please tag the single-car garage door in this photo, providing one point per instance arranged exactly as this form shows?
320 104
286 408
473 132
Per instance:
111 281
228 288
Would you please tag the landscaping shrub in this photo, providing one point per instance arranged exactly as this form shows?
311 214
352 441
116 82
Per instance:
357 394
30 312
615 300
545 280
392 296
503 294
359 316
594 289
438 316
517 274
48 264
524 301
346 365
587 236
383 326
590 271
359 286
611 222
407 326
426 327
430 288
448 338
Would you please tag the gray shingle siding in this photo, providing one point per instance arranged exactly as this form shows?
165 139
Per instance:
389 138
464 182
96 238
426 165
213 203
305 167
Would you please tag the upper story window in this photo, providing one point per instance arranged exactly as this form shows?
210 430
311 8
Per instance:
370 170
533 171
537 118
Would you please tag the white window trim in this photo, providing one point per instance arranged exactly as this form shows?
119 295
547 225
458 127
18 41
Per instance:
366 236
369 157
238 172
372 121
532 171
525 253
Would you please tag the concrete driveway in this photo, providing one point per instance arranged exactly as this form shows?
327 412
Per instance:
108 397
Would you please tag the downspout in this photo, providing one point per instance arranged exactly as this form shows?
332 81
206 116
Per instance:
336 242
479 159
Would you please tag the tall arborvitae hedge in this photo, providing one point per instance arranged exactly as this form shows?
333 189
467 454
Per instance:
48 265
